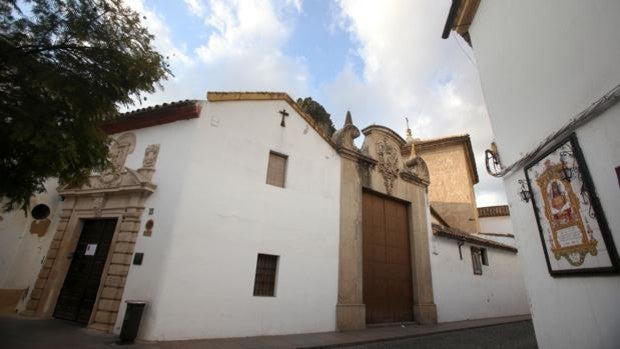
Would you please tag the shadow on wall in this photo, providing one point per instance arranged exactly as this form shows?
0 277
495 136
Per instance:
458 215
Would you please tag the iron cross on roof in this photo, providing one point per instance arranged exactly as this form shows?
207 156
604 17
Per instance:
284 114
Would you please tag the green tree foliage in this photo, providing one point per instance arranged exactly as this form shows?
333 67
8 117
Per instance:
318 113
66 66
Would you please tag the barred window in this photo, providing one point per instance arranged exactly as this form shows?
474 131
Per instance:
265 279
276 169
476 260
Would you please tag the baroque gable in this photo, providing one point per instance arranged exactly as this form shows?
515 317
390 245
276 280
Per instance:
118 177
384 145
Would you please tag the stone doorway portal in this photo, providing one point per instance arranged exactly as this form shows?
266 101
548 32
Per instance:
81 285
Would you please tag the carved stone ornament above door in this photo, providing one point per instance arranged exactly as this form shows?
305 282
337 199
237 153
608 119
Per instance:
120 149
387 157
118 177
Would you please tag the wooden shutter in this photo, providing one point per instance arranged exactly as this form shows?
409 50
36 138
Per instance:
276 169
484 256
476 260
265 279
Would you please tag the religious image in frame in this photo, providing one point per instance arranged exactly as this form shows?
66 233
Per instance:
573 229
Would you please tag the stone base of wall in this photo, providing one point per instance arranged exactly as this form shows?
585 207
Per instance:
425 314
350 317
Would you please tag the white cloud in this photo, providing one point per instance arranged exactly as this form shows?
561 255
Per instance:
242 28
243 49
408 70
296 4
196 7
163 39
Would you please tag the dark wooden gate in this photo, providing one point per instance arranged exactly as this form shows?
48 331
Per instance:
79 291
387 264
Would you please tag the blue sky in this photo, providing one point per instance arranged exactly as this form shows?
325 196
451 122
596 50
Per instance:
383 60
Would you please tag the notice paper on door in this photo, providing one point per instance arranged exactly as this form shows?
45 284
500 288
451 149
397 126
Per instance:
90 249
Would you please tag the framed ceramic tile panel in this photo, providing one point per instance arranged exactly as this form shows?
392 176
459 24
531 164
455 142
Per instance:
572 227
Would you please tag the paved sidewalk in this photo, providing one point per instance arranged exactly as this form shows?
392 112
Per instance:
23 333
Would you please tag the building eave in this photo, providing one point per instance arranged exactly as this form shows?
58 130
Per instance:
459 235
460 17
152 116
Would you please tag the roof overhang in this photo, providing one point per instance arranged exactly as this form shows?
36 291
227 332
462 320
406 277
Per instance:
152 116
460 17
459 235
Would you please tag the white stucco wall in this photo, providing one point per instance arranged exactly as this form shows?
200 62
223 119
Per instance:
21 252
540 64
227 214
498 225
144 282
461 295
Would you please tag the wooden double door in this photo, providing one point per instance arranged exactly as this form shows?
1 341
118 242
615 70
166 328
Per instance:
79 291
387 276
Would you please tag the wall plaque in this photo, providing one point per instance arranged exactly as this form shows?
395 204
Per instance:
572 227
90 250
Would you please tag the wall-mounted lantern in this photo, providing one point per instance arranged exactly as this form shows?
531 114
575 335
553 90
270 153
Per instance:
524 193
566 172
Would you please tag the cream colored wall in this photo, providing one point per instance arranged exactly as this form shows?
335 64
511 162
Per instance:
451 191
21 252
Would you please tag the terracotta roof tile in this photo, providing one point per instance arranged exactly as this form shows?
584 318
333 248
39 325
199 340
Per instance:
494 211
151 116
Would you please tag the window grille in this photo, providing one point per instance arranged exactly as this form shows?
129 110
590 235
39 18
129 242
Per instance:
265 280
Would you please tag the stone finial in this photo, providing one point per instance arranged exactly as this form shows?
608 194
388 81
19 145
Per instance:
417 166
410 141
409 137
150 156
348 120
343 138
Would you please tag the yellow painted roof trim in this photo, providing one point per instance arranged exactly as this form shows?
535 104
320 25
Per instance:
269 96
465 15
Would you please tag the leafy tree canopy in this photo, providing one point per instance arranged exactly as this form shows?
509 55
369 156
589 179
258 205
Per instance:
318 113
66 66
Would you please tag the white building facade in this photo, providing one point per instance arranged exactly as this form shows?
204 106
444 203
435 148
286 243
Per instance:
543 64
239 216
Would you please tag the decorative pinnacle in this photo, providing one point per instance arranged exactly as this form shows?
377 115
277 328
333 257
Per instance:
409 137
348 120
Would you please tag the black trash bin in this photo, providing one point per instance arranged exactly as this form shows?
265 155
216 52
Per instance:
131 322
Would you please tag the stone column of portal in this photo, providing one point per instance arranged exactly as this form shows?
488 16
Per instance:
424 308
350 310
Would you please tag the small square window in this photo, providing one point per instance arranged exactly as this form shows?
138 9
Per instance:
276 169
476 260
265 279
